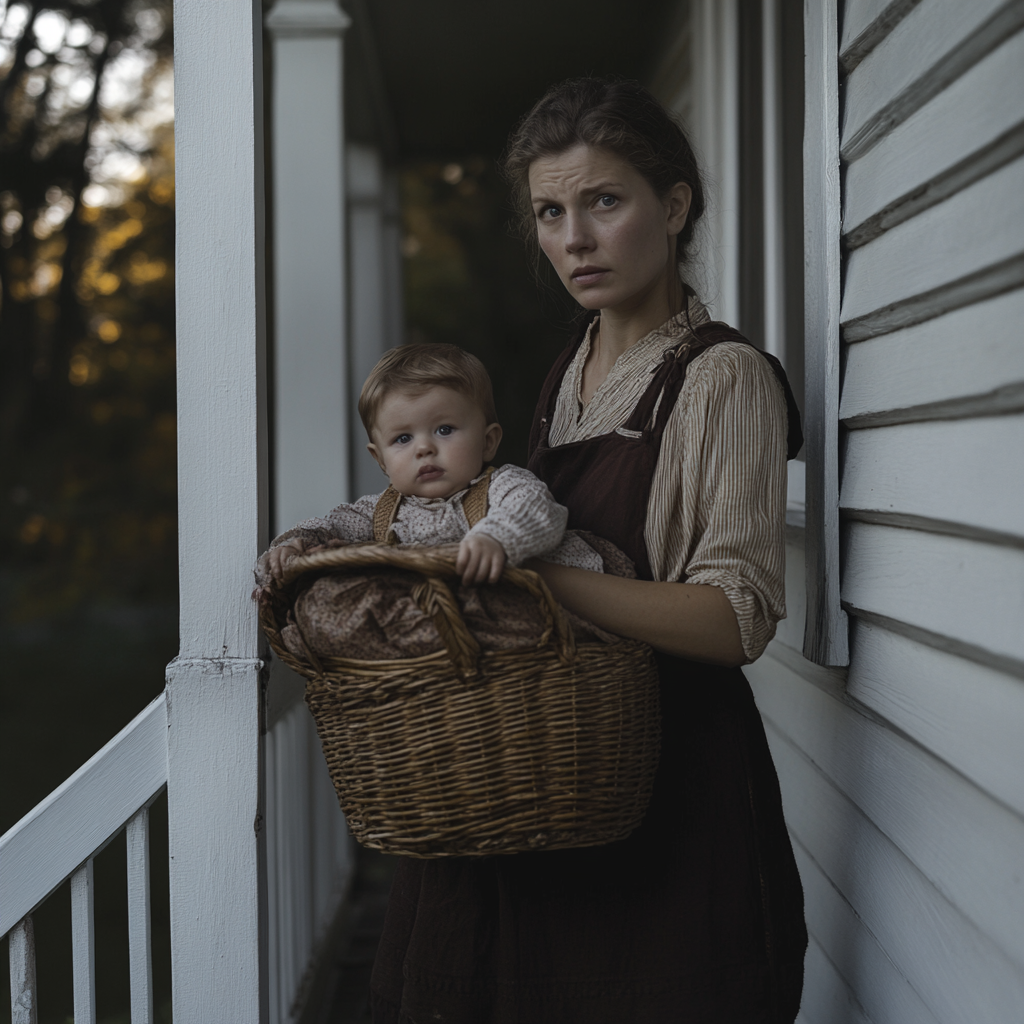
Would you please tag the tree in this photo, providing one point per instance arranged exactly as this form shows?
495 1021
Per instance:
87 479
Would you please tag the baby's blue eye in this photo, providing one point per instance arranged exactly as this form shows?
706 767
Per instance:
445 430
403 439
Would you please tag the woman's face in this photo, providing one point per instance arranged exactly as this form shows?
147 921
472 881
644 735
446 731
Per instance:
608 236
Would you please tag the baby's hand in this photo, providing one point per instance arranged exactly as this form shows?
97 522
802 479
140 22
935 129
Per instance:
481 559
279 557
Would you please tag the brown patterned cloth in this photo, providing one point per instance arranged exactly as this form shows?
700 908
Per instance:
372 616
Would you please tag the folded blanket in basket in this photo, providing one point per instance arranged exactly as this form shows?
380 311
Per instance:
372 614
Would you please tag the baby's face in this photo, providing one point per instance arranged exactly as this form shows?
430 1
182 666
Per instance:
432 443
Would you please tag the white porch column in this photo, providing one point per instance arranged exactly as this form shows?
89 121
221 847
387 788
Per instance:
716 127
215 748
372 294
311 395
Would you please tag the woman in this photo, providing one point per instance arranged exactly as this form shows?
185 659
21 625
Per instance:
668 435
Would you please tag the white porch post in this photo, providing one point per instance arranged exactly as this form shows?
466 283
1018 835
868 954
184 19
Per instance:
215 748
373 248
311 401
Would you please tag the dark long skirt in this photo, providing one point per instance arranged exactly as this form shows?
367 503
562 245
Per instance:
697 918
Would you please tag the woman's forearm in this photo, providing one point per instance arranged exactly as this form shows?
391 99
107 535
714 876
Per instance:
688 620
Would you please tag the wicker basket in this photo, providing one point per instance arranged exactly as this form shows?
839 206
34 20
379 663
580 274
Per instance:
470 753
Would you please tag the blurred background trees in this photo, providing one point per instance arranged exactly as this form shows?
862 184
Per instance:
87 314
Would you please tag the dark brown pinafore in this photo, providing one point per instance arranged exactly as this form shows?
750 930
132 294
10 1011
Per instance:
697 917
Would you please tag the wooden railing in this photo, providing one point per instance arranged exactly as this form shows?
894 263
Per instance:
309 862
59 839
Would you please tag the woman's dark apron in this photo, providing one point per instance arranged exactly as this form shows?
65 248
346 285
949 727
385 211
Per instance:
697 917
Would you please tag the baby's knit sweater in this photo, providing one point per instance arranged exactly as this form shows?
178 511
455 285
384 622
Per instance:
522 517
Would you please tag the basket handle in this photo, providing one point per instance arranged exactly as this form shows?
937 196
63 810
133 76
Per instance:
435 597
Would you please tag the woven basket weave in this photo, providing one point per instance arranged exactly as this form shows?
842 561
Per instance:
467 752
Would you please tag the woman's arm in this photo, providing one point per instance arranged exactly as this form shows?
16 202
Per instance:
688 620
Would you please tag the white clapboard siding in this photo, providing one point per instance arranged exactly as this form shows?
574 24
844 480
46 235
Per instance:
965 130
934 44
969 715
967 474
865 24
826 999
841 937
966 362
967 845
966 591
961 236
960 974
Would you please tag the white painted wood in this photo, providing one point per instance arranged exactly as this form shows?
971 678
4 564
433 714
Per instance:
962 472
83 943
790 630
960 589
394 305
772 182
140 944
865 23
970 231
933 45
21 949
966 361
967 117
312 465
727 29
82 814
370 297
853 952
825 638
214 689
274 930
218 888
826 997
715 131
967 845
970 716
959 973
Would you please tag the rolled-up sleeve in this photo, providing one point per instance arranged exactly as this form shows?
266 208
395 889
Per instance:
718 499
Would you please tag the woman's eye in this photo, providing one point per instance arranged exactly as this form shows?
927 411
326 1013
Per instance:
445 431
548 212
606 201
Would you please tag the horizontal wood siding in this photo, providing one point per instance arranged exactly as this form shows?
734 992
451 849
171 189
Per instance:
902 776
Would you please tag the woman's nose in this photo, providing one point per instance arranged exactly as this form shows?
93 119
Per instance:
577 237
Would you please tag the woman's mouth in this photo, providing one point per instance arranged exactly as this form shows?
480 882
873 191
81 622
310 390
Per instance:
429 473
589 275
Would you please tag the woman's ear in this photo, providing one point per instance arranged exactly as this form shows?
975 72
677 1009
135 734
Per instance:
492 438
677 204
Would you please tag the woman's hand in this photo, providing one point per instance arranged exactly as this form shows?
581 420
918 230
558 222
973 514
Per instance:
684 619
481 559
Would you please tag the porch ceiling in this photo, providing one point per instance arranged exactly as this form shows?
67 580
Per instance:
457 74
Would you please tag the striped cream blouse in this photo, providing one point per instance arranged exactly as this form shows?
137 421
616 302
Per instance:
716 513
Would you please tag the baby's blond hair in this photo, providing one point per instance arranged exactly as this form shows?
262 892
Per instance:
416 368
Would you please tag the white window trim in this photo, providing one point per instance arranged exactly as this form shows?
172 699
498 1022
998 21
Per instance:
826 632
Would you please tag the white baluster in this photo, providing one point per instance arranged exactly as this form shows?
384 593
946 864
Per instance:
83 943
140 943
22 949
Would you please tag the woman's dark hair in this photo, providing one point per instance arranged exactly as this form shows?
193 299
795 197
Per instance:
619 116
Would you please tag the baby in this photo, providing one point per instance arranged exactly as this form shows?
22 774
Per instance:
430 416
